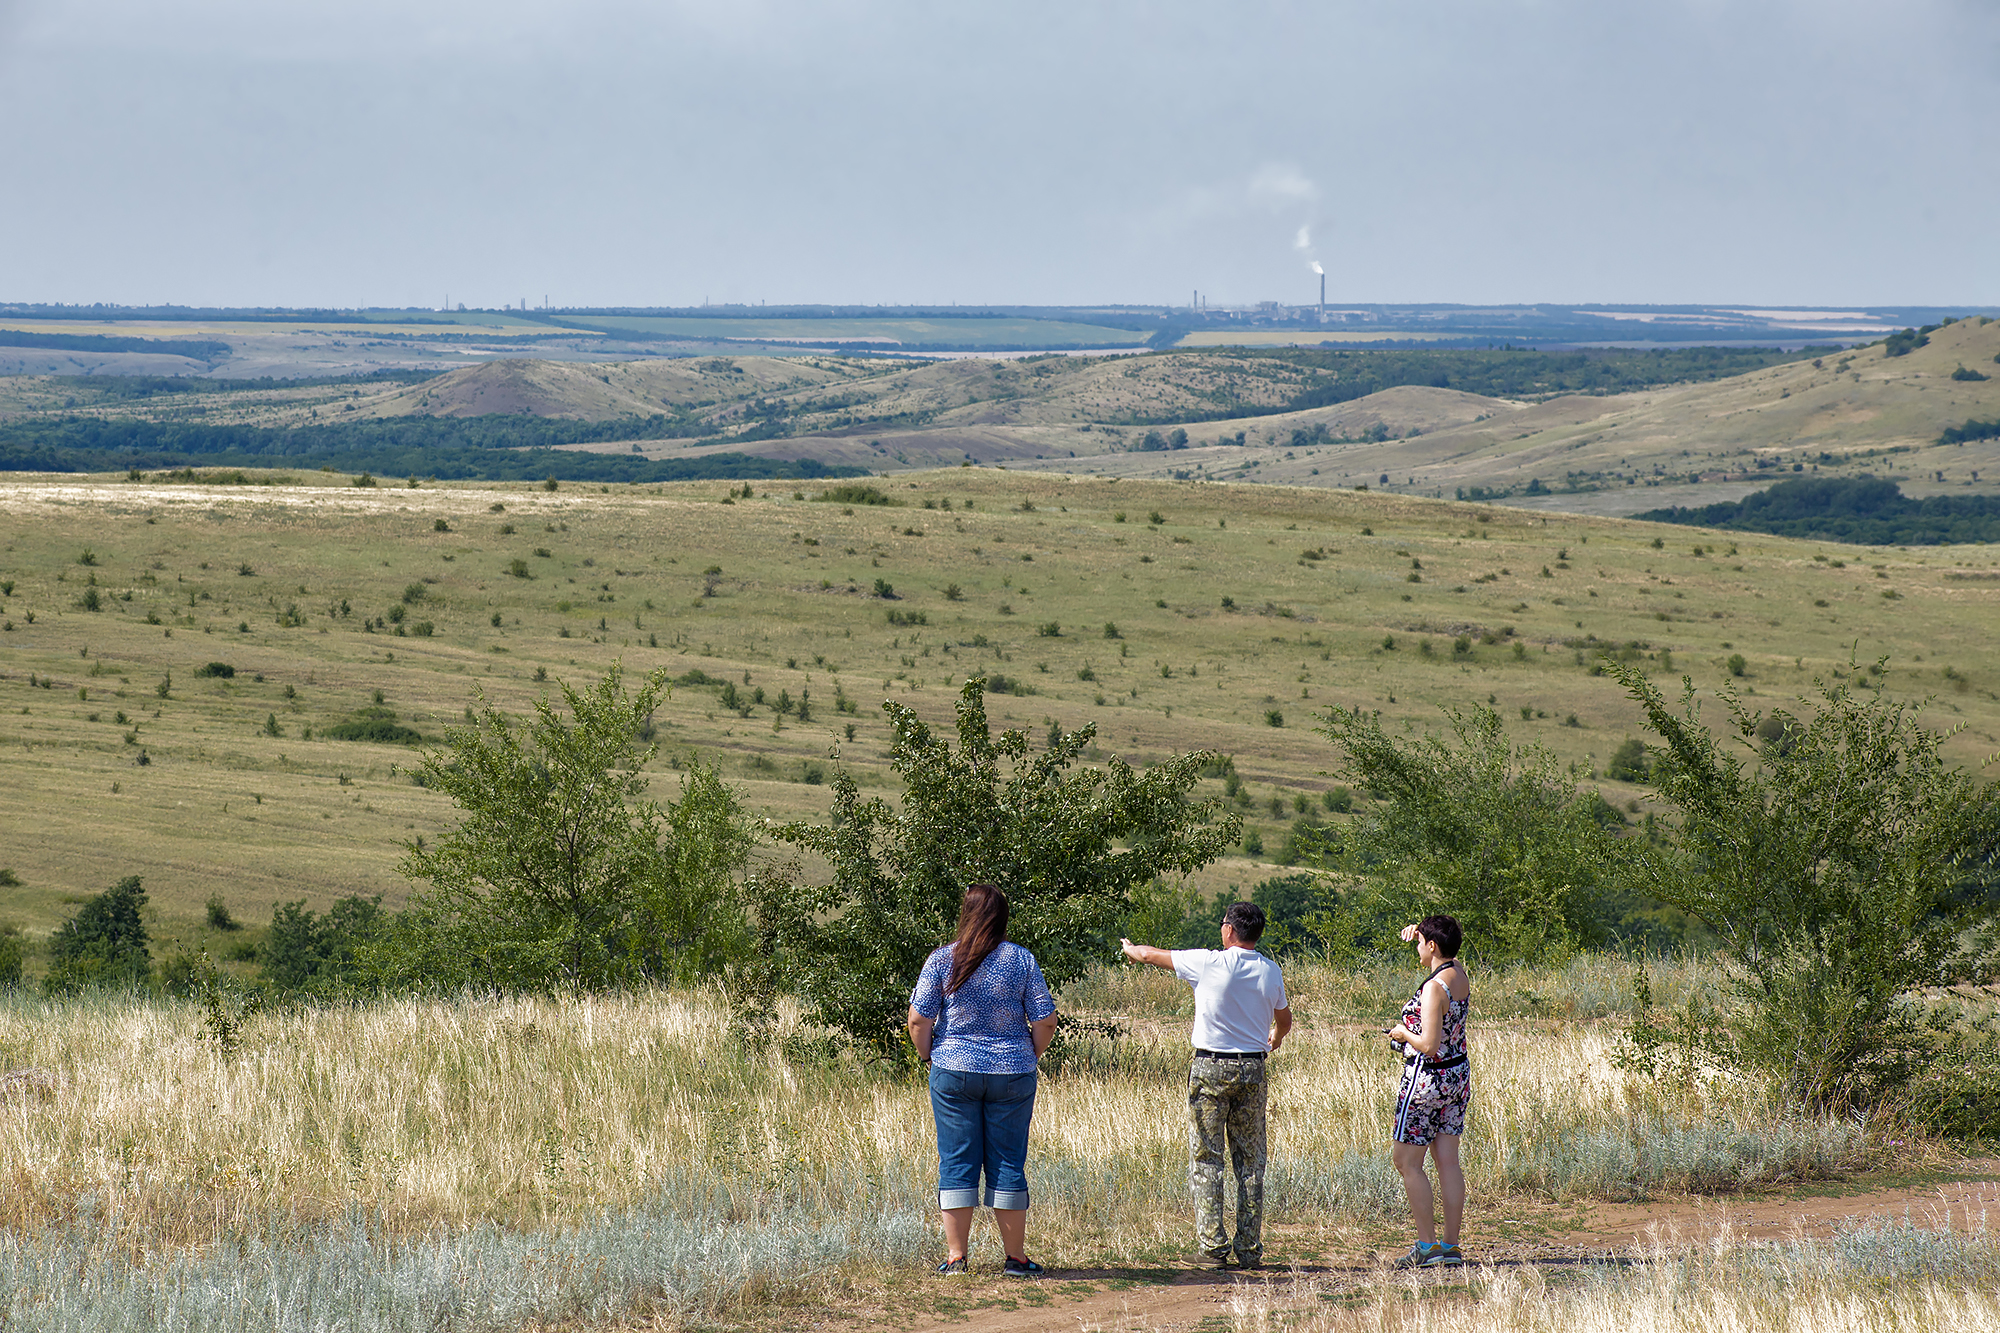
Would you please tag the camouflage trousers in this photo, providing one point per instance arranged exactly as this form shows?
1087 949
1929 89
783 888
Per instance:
1226 1109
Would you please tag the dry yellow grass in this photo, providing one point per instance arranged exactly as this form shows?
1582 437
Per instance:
535 1113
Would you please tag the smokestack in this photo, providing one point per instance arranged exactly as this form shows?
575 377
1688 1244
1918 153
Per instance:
1322 296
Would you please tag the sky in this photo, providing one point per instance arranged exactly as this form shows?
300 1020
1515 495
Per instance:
613 152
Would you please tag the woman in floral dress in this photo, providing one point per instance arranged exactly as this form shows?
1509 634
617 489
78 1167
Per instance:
1436 1090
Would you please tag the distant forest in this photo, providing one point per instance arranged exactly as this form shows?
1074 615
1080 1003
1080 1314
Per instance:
1508 372
1862 510
1525 372
485 448
199 349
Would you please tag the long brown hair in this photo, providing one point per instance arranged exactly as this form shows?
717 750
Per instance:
982 928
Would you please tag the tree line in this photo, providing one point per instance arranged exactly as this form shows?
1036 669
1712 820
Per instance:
198 349
1843 871
1865 510
494 447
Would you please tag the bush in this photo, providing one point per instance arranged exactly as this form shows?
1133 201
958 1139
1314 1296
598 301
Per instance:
13 956
222 669
1738 664
377 726
219 917
1629 763
854 493
563 874
1845 869
319 954
104 944
1498 837
1071 848
1905 342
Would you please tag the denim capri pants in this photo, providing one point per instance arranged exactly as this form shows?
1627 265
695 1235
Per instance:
982 1122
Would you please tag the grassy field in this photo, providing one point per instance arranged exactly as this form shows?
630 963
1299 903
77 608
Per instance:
1307 337
534 1162
1001 332
1228 624
494 326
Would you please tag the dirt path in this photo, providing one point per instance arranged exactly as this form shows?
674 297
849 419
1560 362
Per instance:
1309 1268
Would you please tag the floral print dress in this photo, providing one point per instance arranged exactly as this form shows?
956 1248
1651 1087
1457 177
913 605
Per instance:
1437 1089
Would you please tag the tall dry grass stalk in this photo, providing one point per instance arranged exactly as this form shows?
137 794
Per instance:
533 1113
487 1162
1897 1278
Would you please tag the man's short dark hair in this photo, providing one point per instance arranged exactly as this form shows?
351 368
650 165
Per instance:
1247 920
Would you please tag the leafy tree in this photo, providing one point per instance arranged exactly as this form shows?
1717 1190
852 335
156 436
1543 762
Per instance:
1496 836
1842 864
563 875
306 952
104 944
13 954
1073 848
1629 762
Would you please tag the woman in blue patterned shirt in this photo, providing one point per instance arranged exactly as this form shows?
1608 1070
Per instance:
981 1017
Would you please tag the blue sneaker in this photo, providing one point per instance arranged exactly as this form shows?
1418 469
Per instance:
952 1268
1422 1256
1021 1268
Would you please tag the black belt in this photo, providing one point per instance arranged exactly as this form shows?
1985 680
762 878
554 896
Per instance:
1428 1063
1200 1054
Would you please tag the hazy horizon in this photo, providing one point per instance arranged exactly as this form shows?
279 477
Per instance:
610 153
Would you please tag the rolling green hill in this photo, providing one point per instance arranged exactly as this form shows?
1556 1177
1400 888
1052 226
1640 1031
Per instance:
1229 623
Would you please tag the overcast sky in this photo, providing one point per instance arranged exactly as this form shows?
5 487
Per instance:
387 152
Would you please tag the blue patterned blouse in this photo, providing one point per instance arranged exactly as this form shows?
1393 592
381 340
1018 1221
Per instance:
983 1029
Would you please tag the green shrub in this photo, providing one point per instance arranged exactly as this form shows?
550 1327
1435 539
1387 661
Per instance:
13 956
222 669
854 493
377 725
320 954
1629 763
1069 847
1845 868
562 873
1499 837
104 944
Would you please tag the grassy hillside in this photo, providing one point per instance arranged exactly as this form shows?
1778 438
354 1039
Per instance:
1227 624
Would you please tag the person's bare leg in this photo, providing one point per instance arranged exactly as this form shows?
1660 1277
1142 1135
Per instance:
1451 1184
1013 1225
957 1231
1409 1159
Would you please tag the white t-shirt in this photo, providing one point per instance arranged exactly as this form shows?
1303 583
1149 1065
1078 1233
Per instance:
1235 993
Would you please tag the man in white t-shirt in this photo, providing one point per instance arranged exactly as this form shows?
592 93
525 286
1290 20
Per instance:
1240 1017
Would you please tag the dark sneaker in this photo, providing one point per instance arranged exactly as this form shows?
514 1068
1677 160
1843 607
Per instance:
1021 1268
951 1268
1448 1257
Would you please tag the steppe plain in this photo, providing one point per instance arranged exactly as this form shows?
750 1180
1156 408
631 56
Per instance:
1228 623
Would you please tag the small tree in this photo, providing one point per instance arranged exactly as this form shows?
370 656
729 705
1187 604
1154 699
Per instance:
308 952
1070 846
104 944
1843 865
1496 836
563 875
13 955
